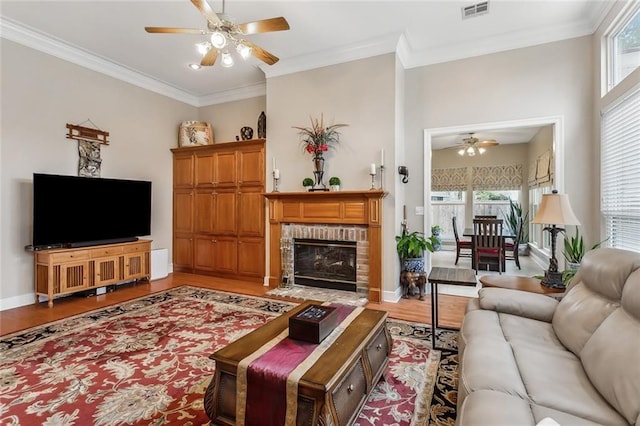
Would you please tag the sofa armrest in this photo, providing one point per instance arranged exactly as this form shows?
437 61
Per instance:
529 305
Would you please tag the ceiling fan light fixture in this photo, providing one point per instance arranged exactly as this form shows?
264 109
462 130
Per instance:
195 66
482 150
204 47
461 151
471 151
244 50
218 40
227 59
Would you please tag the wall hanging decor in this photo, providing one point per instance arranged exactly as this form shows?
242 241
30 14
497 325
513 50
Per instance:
193 133
89 141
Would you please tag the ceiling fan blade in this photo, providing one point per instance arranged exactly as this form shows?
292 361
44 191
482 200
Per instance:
170 30
209 58
489 142
207 11
264 26
261 54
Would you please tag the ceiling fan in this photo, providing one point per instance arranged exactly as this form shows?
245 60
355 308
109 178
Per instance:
471 145
224 33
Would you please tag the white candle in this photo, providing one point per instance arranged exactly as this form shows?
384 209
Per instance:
276 174
373 169
382 157
274 163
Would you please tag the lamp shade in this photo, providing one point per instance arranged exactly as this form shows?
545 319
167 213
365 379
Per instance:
555 209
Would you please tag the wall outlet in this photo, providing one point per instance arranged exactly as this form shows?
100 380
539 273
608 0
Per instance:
420 211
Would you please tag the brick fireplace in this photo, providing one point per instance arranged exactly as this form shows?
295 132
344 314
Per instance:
340 216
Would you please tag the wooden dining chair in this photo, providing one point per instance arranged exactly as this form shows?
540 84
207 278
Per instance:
511 246
480 216
488 242
464 248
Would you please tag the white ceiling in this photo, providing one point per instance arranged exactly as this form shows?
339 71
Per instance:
109 36
512 135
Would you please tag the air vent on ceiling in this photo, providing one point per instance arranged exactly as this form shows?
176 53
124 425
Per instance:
475 10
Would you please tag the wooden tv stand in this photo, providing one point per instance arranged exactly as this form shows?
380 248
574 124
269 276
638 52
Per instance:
70 270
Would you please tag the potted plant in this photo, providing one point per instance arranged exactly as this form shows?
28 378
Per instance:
307 183
436 230
334 182
573 253
411 248
512 221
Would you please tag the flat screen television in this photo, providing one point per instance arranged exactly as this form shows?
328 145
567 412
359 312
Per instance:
73 211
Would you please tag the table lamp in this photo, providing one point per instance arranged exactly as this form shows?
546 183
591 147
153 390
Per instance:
554 210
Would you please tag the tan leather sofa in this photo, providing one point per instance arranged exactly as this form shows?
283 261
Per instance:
525 357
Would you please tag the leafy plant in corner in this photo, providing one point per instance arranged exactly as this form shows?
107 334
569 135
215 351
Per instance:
334 180
413 245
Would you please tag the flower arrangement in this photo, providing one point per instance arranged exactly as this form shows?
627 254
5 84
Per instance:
318 138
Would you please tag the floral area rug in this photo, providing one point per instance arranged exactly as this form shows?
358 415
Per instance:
146 361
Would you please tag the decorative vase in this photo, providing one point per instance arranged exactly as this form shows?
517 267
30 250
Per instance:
318 164
246 133
414 264
262 125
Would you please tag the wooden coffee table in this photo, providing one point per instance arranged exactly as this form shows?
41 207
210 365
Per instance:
451 276
515 282
335 387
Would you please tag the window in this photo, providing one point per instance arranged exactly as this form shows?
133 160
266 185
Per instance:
445 205
496 203
620 172
624 47
536 236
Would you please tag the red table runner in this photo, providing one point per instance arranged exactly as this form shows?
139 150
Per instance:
267 382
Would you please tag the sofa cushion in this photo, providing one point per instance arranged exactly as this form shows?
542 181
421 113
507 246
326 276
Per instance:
487 407
529 305
564 419
611 357
555 378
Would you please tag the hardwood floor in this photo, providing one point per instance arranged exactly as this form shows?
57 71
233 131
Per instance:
451 309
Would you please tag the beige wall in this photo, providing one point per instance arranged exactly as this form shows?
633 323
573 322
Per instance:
553 79
228 118
359 93
40 94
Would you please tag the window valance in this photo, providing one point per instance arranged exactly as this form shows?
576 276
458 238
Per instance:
505 177
453 179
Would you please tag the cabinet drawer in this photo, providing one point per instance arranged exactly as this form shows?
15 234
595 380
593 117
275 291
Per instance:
74 255
106 251
135 248
350 393
377 353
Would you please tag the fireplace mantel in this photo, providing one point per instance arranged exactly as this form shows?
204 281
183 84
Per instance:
335 207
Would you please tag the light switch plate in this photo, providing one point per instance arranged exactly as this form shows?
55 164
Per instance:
420 211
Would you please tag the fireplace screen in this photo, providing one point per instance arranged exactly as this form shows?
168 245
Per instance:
326 264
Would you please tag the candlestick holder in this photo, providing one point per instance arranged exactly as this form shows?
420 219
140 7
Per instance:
275 182
373 181
381 177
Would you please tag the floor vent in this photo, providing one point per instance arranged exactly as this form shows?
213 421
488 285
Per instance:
475 10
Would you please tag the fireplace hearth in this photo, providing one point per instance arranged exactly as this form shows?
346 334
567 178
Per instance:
325 263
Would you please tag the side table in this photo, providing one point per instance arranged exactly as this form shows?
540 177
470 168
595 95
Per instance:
514 282
451 276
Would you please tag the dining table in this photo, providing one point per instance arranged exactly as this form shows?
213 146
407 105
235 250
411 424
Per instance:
506 234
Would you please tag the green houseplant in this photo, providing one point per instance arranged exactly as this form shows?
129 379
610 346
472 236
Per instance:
411 248
335 183
307 182
574 251
512 220
436 230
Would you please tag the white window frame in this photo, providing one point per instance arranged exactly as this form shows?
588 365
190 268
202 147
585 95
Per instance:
609 43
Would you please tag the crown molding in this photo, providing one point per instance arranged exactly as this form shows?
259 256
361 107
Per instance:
498 43
245 92
403 50
26 36
348 53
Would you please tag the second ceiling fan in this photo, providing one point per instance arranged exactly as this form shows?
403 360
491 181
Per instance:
471 145
224 33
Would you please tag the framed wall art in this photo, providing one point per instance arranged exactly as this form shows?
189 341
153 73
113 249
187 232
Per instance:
194 133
